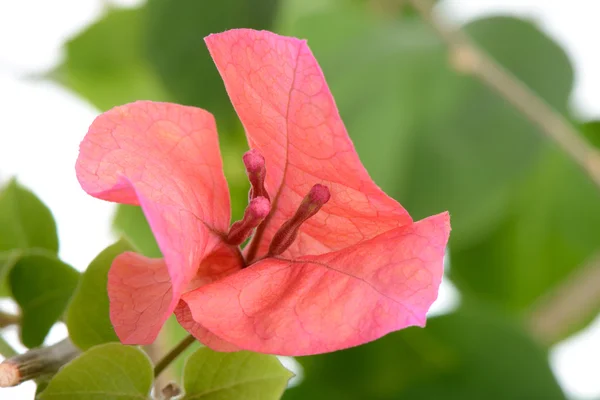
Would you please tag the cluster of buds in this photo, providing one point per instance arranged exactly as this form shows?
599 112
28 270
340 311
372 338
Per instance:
259 207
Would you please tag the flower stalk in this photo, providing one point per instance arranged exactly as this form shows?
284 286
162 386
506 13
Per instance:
173 354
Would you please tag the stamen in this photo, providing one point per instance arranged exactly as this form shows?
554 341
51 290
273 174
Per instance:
311 204
256 171
255 213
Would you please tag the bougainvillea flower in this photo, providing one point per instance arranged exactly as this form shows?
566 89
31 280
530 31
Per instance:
333 261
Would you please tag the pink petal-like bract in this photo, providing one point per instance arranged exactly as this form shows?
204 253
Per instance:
140 294
284 103
347 265
165 158
318 304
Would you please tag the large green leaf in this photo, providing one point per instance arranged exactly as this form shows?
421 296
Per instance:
105 63
433 139
511 141
176 47
41 285
25 222
106 372
469 354
243 375
471 157
551 231
88 314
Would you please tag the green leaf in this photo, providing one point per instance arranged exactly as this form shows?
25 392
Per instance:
131 222
105 63
237 376
433 139
472 156
25 222
41 285
88 317
106 372
469 159
551 232
175 46
473 353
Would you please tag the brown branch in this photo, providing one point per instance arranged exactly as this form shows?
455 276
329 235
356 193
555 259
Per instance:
468 58
36 363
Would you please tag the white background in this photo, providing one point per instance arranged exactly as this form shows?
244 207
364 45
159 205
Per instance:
41 125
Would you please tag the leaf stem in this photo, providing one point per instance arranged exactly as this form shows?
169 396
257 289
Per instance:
467 57
173 354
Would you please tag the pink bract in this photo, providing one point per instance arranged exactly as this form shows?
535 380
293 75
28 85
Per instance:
357 270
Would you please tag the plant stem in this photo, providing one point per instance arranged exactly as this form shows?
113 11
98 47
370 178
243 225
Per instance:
36 363
468 58
173 354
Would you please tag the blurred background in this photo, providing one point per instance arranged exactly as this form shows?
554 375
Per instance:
517 313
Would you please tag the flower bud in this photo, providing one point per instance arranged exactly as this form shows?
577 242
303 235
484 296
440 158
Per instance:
255 213
311 204
256 171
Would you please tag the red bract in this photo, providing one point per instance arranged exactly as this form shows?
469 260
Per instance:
334 261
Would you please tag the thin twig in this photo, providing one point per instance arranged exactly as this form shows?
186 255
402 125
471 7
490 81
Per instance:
36 363
173 354
468 58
